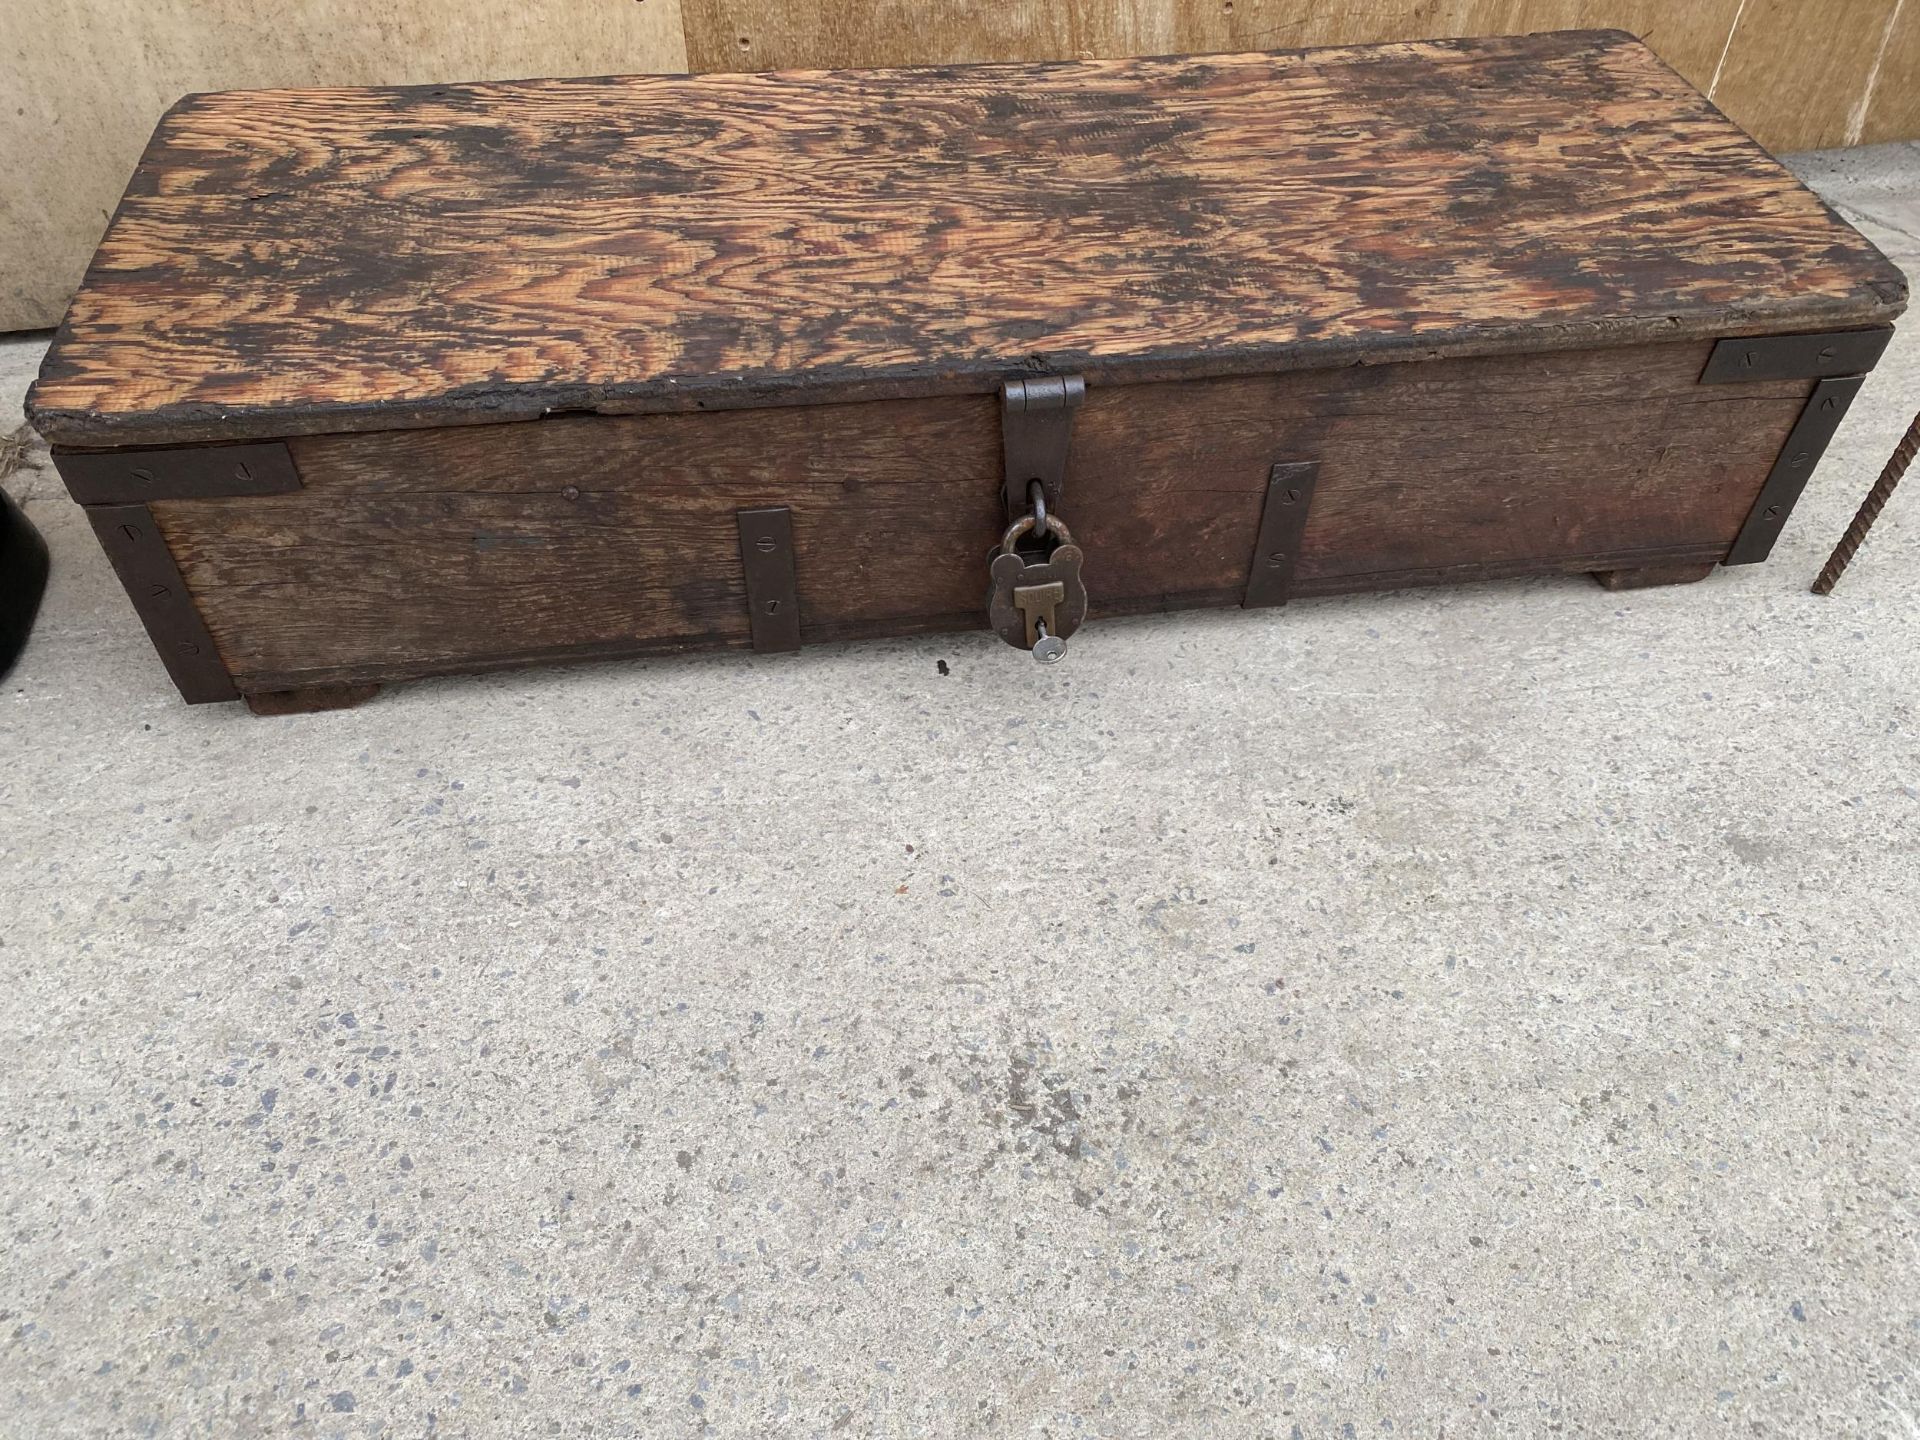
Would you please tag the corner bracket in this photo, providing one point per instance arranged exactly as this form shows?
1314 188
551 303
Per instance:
1796 357
1814 431
159 593
135 477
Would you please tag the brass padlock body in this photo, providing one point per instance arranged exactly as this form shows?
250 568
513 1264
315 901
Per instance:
1012 571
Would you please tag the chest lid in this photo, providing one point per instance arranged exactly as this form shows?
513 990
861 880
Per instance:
300 261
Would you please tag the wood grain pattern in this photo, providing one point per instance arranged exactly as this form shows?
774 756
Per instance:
91 75
1792 88
743 35
1687 36
298 262
1890 107
419 552
1807 65
84 80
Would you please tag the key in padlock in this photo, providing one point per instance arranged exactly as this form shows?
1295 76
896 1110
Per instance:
1040 604
1037 604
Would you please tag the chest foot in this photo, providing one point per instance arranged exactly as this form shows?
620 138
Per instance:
1646 576
317 697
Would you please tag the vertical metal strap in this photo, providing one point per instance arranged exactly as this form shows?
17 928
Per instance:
1804 447
146 567
773 597
1283 523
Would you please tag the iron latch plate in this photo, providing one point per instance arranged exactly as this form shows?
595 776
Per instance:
1036 431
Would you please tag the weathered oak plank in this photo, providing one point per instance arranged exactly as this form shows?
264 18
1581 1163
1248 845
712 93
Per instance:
296 262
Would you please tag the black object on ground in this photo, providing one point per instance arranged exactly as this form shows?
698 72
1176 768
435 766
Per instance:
23 579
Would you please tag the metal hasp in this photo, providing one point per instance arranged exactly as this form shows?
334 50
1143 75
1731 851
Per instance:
1808 442
1036 429
1796 357
133 477
1283 522
146 567
773 596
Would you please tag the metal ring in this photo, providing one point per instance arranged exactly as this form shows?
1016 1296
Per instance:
1037 498
1028 522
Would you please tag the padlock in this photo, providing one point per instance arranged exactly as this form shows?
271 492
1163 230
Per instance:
1037 604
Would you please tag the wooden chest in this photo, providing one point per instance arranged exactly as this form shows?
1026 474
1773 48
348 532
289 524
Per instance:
378 383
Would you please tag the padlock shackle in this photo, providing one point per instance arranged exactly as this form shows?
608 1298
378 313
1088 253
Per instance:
1027 523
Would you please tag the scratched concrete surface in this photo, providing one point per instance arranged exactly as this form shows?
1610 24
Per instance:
1485 1011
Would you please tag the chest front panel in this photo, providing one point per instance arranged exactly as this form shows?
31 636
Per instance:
411 552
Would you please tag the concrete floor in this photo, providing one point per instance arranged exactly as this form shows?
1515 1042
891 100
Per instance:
1474 1011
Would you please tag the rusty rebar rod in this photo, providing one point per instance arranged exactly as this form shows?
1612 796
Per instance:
1869 511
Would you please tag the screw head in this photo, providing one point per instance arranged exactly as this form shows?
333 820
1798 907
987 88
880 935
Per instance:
572 492
765 545
772 607
1277 558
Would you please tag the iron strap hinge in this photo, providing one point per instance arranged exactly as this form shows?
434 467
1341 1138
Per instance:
1036 430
